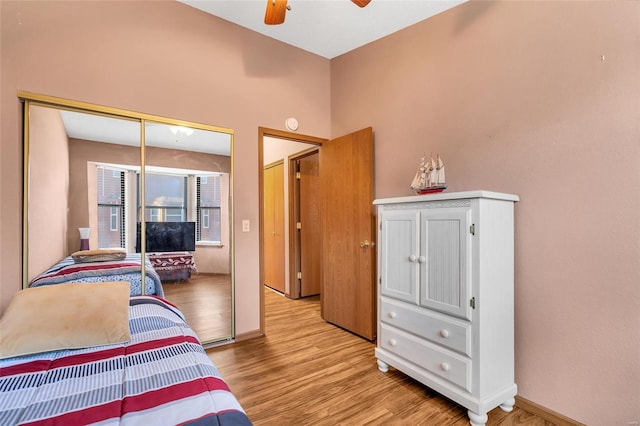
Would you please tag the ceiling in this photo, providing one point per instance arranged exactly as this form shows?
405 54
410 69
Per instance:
100 128
328 28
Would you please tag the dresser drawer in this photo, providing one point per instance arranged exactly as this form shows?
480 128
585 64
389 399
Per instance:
448 332
436 360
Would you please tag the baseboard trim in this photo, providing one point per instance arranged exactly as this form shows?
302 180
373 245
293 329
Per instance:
545 413
248 335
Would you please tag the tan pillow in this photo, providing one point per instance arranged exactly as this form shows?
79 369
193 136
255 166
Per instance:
101 255
65 316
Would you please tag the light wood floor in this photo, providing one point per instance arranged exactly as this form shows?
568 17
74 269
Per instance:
308 372
205 301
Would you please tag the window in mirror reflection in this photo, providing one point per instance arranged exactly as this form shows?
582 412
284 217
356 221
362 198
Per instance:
208 203
165 198
111 213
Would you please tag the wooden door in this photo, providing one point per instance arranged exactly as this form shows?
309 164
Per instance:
310 225
348 226
273 236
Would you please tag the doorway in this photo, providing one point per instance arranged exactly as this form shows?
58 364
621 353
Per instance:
281 223
347 265
285 144
300 186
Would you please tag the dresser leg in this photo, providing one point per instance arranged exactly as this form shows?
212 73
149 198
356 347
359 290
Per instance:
477 419
383 366
508 405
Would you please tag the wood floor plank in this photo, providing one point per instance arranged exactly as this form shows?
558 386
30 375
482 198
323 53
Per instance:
205 301
308 372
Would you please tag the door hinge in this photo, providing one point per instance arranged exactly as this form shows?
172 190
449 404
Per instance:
299 275
298 225
298 175
380 226
472 229
472 303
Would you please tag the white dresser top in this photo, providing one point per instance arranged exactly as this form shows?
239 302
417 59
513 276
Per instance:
448 196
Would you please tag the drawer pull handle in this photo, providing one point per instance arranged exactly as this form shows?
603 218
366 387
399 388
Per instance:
445 366
392 342
412 258
444 333
392 314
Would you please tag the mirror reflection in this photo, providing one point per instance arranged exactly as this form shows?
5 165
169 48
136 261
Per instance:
186 211
85 191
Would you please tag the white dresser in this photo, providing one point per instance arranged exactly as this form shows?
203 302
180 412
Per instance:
445 295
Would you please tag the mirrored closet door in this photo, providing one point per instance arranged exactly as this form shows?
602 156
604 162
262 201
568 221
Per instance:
153 191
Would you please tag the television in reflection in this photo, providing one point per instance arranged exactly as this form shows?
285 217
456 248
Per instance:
167 236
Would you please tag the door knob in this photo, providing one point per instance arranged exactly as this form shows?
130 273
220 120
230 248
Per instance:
366 243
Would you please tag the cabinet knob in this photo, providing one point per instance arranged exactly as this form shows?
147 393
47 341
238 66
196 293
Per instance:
413 258
445 366
392 314
422 259
393 342
444 333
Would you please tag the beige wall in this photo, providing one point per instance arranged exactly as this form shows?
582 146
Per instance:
516 97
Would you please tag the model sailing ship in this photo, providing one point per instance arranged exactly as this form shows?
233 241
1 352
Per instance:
430 176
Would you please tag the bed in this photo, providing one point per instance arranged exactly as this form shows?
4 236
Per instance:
161 376
173 266
127 269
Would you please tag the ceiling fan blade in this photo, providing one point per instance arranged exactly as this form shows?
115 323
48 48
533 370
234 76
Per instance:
276 10
361 3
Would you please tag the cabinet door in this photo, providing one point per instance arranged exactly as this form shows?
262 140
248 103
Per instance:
445 262
400 250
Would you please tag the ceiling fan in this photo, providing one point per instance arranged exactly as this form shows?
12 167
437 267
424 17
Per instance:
277 9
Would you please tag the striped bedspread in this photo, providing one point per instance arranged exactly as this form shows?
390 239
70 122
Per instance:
161 377
128 269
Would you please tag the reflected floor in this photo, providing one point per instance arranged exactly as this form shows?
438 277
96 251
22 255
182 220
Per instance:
205 300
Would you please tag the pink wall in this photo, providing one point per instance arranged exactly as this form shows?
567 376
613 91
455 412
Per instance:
48 190
161 58
513 95
516 97
81 152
